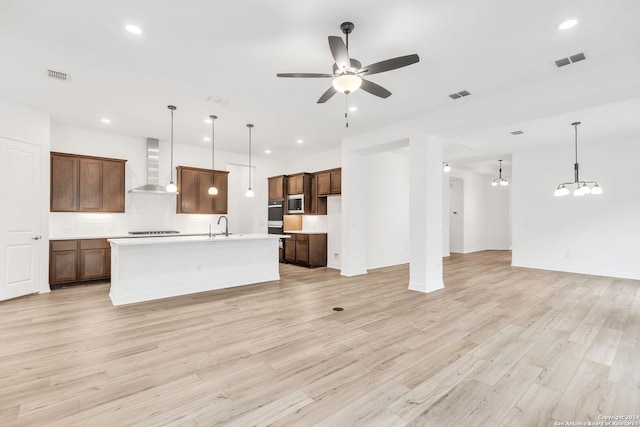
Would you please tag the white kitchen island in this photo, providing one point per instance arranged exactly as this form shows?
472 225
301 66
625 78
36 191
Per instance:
148 268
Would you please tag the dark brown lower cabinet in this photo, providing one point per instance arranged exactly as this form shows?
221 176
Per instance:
78 261
309 250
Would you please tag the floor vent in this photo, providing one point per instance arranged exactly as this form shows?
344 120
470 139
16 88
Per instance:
58 75
570 60
459 94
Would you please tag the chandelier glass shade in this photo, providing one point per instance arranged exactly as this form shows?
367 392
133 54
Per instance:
582 188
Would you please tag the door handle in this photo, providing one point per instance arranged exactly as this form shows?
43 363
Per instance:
36 238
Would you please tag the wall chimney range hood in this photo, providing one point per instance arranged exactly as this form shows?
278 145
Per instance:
153 170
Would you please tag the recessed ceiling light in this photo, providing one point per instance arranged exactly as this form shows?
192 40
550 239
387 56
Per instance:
353 108
133 29
208 121
299 141
206 139
267 151
569 23
105 120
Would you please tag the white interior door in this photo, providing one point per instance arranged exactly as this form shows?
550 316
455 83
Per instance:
20 210
456 215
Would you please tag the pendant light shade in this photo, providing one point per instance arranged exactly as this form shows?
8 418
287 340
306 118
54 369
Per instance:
249 192
213 190
171 187
446 167
583 188
500 180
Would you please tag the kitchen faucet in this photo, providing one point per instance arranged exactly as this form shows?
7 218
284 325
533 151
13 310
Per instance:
226 223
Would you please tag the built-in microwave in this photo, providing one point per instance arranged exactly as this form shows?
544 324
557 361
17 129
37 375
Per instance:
295 204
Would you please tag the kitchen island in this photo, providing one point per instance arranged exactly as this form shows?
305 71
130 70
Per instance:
148 268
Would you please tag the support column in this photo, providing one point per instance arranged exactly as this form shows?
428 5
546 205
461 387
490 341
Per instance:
354 214
425 214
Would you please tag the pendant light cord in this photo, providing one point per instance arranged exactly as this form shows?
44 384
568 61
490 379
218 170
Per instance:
213 142
172 109
250 126
575 165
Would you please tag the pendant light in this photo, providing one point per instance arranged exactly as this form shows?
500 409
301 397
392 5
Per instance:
213 190
582 187
249 192
446 167
500 180
171 187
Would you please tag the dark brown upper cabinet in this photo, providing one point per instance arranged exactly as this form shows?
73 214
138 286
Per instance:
86 184
277 187
299 183
329 182
193 191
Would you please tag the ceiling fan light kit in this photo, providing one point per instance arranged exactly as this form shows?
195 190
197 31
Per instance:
348 72
582 187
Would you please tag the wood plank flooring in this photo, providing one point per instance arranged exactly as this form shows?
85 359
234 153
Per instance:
499 346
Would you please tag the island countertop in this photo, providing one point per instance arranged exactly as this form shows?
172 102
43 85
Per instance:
148 268
216 238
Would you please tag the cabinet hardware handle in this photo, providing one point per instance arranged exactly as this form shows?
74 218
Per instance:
36 238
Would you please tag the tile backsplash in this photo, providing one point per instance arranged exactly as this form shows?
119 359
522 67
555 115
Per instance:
144 212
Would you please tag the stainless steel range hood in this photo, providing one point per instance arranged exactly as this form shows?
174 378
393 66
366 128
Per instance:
153 170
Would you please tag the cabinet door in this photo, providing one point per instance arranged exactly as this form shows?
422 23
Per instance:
290 249
295 184
188 189
318 250
93 264
221 180
205 200
302 252
324 183
90 188
64 184
112 186
276 188
336 181
63 266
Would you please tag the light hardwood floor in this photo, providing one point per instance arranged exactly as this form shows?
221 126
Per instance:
498 346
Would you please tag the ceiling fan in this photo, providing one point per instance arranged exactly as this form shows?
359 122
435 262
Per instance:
348 72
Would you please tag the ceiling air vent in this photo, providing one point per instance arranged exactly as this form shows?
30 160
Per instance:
459 94
58 75
570 60
517 132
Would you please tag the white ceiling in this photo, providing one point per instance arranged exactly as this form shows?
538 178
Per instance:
502 51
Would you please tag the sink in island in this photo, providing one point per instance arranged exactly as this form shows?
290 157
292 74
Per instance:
148 268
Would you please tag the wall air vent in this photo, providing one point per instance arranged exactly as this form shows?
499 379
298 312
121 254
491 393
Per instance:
218 100
517 132
570 60
459 94
59 75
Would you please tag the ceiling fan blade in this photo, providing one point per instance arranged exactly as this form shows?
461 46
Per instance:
306 75
374 89
339 52
328 94
389 64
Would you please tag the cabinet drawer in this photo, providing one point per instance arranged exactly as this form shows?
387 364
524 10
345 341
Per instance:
94 244
64 245
302 237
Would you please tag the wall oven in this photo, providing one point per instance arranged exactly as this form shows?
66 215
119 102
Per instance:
275 220
295 204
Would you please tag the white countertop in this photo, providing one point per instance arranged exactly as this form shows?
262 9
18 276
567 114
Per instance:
139 241
304 232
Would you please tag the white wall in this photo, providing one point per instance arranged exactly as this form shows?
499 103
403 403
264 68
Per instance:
150 211
327 159
486 213
455 214
593 234
388 209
